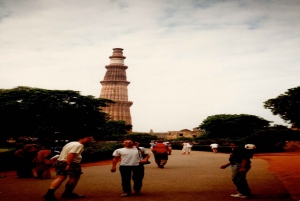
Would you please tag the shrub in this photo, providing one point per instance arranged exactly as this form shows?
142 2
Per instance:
98 151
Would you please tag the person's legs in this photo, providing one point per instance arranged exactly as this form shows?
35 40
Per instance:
239 180
70 185
55 184
157 159
137 177
74 176
183 150
126 178
189 150
164 159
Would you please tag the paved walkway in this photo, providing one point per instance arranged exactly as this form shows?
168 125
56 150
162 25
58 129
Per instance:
185 177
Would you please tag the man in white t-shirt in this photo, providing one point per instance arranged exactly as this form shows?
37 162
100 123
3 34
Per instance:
184 147
68 164
131 166
250 148
214 147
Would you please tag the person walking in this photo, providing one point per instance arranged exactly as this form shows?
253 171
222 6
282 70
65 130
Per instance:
250 148
161 152
131 166
240 164
214 147
184 147
189 147
68 164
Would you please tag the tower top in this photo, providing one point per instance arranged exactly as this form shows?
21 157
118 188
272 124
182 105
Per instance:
117 53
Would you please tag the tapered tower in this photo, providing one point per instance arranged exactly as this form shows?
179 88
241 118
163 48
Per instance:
114 87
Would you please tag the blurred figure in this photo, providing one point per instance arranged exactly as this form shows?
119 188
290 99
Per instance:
184 147
250 148
169 148
214 147
24 160
161 152
44 163
189 147
153 142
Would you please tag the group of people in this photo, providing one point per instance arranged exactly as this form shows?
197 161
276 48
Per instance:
132 159
31 156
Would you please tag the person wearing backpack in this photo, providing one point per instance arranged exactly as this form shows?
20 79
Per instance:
131 167
161 152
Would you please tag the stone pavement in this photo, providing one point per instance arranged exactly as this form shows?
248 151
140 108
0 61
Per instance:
185 177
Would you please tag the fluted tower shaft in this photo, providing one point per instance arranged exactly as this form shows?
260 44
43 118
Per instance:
114 87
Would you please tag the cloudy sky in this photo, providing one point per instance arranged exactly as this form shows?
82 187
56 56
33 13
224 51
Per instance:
187 60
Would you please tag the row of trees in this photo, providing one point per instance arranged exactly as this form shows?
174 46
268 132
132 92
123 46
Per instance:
55 114
61 114
255 129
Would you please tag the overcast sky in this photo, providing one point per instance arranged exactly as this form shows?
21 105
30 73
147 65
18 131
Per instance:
187 60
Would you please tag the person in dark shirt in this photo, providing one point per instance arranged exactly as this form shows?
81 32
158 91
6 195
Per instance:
240 164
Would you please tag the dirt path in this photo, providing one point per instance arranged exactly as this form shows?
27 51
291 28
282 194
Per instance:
287 167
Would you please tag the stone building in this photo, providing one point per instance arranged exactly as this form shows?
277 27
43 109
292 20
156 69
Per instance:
184 133
114 87
176 134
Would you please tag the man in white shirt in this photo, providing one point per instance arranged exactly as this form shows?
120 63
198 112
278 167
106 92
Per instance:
68 164
250 148
131 166
214 147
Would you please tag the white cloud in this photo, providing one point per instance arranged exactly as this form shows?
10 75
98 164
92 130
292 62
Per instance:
187 60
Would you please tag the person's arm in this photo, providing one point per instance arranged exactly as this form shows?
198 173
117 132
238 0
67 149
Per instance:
145 159
70 159
225 166
114 163
19 153
243 165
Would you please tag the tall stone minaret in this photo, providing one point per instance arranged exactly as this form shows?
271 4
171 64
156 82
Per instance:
114 87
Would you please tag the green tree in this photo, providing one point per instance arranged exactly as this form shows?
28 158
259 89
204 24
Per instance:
232 126
42 113
287 106
274 136
113 130
141 137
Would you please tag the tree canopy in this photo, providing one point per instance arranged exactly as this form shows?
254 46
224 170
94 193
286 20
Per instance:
38 112
232 125
113 130
287 106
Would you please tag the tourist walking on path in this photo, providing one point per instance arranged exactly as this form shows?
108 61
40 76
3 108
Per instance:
184 147
214 147
68 164
240 164
131 166
161 152
250 148
189 147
